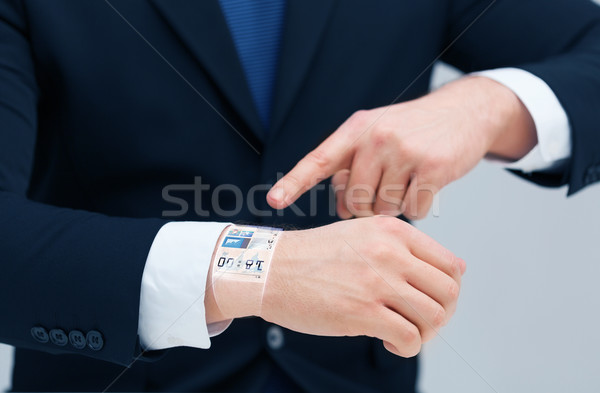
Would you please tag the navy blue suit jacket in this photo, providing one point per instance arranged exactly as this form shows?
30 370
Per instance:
94 123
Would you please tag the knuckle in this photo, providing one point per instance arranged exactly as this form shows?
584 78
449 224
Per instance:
404 149
387 224
319 158
379 252
410 336
454 266
439 318
433 162
453 291
359 117
382 135
293 180
410 149
410 267
340 180
410 342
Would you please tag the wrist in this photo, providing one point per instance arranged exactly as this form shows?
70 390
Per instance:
502 125
504 118
213 311
275 287
239 270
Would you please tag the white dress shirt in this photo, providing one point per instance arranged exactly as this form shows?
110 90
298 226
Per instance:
174 281
173 285
550 119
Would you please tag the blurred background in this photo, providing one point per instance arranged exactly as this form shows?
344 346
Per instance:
529 309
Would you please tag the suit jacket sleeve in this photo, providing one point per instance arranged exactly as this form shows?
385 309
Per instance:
59 268
557 40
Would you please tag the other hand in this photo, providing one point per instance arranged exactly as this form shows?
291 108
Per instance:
393 160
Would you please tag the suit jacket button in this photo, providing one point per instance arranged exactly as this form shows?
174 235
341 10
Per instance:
58 337
95 340
77 339
39 334
275 338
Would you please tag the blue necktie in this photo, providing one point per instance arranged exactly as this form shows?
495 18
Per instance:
255 27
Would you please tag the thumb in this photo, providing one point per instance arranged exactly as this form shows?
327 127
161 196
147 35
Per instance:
333 154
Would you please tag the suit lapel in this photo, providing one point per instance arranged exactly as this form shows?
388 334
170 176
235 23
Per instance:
203 30
305 22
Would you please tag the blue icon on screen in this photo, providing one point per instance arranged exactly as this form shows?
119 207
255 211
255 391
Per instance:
235 242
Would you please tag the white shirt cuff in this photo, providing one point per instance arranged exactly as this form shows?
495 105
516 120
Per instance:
173 284
551 121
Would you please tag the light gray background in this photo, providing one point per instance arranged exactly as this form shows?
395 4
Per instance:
530 303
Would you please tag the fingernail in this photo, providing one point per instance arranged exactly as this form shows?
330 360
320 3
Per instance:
463 265
278 194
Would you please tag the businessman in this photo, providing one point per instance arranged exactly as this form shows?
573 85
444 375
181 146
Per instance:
126 124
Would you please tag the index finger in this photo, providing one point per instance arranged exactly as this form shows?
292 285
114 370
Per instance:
333 154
